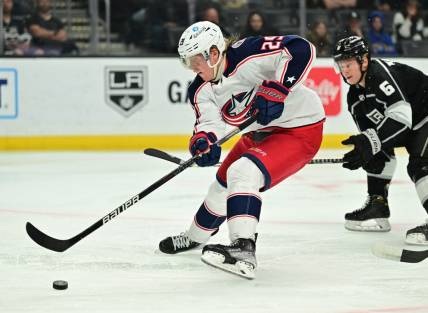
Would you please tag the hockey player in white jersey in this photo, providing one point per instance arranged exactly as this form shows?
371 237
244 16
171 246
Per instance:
236 79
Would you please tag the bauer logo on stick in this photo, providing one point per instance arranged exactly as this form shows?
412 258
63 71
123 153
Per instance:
126 88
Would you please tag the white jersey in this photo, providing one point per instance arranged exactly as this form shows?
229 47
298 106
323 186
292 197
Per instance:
250 61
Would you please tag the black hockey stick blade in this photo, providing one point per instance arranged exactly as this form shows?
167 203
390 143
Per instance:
163 155
390 252
60 245
47 242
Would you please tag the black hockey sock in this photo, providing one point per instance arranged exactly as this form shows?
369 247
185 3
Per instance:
378 186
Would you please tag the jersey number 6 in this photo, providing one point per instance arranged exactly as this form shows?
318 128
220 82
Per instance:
272 42
386 88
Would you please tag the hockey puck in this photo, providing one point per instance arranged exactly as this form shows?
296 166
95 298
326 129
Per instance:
60 284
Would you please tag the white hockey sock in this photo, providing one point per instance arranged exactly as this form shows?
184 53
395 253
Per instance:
211 214
244 180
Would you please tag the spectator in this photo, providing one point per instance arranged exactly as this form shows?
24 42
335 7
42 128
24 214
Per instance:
319 36
48 31
135 24
16 38
381 43
257 26
408 24
353 27
162 17
212 14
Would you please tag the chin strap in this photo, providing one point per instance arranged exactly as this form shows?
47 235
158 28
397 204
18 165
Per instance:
218 68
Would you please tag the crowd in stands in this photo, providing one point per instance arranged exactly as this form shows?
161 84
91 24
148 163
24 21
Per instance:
393 28
34 30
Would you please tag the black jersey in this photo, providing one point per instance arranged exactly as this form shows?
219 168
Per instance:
393 101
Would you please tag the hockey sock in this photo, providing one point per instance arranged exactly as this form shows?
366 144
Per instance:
211 214
243 214
244 180
378 186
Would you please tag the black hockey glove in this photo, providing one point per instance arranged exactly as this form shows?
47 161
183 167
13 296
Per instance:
377 163
366 145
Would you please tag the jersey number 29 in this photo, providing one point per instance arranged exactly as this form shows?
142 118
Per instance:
272 42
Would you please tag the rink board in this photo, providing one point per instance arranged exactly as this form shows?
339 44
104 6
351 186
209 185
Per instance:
124 103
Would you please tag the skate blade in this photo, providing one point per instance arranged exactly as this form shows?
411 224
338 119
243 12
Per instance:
416 240
373 225
240 268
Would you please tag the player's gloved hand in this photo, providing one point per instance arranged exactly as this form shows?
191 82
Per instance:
366 145
269 101
202 143
377 164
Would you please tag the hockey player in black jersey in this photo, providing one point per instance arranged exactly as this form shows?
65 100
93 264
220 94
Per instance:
389 104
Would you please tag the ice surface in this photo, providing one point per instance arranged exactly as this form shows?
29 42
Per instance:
307 261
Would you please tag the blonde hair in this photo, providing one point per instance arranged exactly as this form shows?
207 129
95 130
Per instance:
231 40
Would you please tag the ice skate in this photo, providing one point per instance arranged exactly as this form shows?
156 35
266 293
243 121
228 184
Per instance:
239 258
178 244
372 217
418 235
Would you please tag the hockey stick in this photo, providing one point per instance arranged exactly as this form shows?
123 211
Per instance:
389 252
61 245
168 157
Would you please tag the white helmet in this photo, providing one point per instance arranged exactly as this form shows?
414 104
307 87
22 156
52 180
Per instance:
198 38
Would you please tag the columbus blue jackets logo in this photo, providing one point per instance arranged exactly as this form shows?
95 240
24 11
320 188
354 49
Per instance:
238 109
8 93
126 88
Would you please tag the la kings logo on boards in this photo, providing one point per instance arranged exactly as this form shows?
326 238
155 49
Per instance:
126 88
375 116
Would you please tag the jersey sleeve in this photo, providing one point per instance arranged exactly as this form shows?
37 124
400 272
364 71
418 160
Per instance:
208 116
360 119
295 62
397 120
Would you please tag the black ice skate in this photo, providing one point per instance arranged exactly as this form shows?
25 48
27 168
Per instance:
373 216
418 235
177 244
239 258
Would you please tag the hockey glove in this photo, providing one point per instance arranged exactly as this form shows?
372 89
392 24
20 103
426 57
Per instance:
269 101
366 145
377 164
202 143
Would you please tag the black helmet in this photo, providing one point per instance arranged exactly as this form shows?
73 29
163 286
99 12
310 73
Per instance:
351 47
